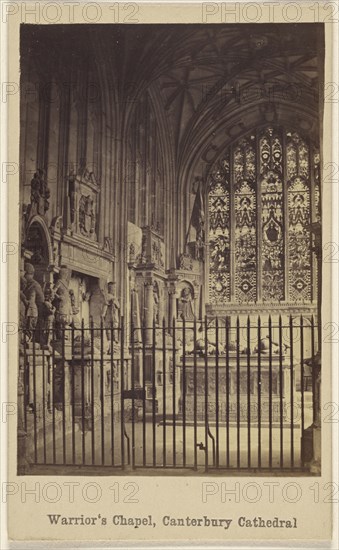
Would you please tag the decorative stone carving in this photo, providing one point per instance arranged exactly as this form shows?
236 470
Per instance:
40 194
185 309
157 254
152 248
111 312
108 246
155 225
185 262
48 317
83 193
200 240
132 253
86 216
156 304
56 225
74 306
34 298
62 302
143 258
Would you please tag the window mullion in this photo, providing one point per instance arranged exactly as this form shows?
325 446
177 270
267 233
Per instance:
314 274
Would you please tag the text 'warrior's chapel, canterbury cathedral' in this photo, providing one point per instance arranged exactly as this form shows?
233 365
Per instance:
170 272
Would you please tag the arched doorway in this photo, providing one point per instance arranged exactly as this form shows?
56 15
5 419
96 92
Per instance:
38 248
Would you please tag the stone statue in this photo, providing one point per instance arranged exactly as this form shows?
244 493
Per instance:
74 307
111 312
32 311
39 194
62 302
157 254
48 316
143 257
86 215
34 298
185 304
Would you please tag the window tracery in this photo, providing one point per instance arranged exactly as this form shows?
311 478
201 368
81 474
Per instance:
259 212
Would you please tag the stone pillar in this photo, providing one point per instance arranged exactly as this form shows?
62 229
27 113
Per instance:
172 306
161 305
315 466
148 311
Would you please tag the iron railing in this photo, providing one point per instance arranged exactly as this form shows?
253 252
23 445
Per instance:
205 395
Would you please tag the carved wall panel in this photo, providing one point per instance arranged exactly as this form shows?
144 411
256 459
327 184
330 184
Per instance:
83 204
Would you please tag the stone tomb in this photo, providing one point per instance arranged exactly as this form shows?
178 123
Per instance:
245 386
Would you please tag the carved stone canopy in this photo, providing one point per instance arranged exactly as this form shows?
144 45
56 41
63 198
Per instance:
152 249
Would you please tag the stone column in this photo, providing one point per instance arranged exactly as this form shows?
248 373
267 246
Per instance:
172 306
148 305
161 304
315 466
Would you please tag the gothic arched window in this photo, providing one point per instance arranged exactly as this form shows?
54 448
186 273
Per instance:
262 197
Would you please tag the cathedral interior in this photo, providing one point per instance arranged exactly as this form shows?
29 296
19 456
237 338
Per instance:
170 175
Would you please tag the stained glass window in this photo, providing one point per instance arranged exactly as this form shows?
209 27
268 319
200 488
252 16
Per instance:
299 219
244 161
259 208
219 234
271 186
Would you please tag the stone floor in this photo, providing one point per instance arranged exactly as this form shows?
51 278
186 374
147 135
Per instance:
89 448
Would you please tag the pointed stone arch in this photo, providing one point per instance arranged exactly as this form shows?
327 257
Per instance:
38 247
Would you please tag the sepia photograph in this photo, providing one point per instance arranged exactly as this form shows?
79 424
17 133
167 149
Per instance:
170 249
